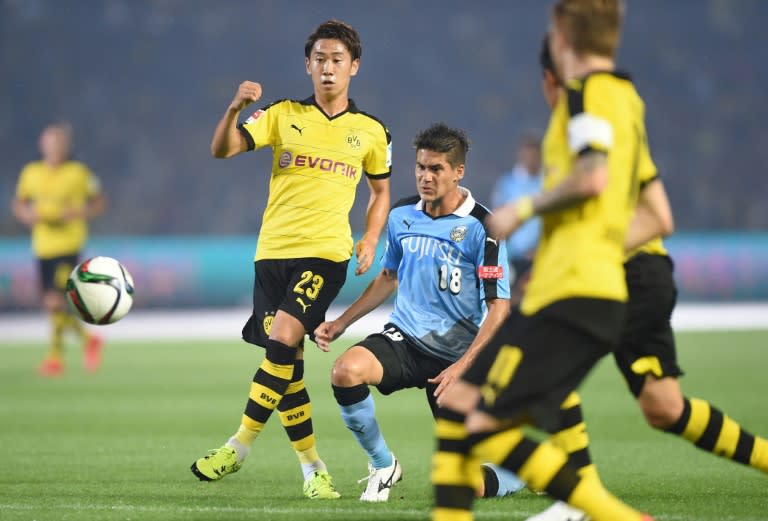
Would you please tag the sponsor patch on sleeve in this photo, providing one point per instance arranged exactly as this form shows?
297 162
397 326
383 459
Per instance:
256 115
490 272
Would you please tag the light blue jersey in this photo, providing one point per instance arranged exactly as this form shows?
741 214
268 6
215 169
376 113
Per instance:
446 268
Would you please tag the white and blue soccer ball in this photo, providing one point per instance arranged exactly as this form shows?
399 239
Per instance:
100 290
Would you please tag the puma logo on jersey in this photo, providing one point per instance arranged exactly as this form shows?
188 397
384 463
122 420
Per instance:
407 224
304 307
297 129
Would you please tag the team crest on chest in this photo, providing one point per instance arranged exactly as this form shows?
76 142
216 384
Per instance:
353 140
458 233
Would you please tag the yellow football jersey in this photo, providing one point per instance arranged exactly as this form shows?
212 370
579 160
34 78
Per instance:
581 252
54 192
316 165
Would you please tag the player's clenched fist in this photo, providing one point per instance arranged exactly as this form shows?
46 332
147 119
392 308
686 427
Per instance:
247 93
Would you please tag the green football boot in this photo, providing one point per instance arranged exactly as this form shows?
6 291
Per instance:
217 464
320 486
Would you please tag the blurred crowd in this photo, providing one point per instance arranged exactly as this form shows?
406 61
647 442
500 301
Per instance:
143 83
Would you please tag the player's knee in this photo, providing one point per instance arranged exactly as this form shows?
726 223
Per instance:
348 371
661 412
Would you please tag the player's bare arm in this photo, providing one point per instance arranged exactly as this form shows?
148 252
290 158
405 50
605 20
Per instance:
376 219
498 311
653 216
587 180
374 295
227 139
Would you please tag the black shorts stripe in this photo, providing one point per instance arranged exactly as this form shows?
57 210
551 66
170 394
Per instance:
712 432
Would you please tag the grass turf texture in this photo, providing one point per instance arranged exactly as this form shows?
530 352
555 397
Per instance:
118 445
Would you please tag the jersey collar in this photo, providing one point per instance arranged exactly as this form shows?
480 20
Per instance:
351 107
464 208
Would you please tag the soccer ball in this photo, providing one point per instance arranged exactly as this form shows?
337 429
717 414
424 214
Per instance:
100 290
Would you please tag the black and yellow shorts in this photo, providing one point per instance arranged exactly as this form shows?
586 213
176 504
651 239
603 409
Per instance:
647 344
534 362
55 271
304 288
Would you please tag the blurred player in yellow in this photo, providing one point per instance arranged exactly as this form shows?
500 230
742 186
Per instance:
646 355
56 197
322 147
573 309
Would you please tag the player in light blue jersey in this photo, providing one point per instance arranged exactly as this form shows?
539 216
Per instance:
452 295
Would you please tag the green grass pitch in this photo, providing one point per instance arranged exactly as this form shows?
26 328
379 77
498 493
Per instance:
118 445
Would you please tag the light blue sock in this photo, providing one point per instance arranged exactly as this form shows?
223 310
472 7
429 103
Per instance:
509 483
360 419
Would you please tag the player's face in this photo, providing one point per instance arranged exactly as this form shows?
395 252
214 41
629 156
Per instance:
435 177
54 144
331 66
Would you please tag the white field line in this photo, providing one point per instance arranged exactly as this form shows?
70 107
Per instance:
502 513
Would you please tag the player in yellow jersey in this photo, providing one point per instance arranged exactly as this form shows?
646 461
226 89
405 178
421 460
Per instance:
573 308
322 147
56 197
646 355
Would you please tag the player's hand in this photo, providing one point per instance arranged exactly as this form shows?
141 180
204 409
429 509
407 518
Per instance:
326 333
247 93
448 375
365 249
503 222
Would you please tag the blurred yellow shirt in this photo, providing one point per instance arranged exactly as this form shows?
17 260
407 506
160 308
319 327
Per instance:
53 193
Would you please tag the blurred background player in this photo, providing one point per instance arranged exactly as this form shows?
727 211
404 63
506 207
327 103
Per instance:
450 301
573 309
55 197
322 147
524 179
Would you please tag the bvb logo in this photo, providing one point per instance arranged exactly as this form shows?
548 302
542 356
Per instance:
353 140
268 323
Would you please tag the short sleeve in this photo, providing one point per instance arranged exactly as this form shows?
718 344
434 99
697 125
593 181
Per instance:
589 126
378 161
259 129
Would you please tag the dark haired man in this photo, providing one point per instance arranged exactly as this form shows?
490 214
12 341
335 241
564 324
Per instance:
322 146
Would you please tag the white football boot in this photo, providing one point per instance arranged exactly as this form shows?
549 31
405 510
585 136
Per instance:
560 511
381 481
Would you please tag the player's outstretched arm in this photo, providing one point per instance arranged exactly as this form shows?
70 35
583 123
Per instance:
372 297
498 311
653 216
227 139
376 219
587 180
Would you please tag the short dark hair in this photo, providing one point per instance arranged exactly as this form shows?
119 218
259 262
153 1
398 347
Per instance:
336 30
453 142
545 56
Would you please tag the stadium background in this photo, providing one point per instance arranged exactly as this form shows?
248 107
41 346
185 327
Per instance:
144 82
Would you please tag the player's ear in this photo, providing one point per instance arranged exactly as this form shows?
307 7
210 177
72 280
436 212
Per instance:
306 64
354 68
459 173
